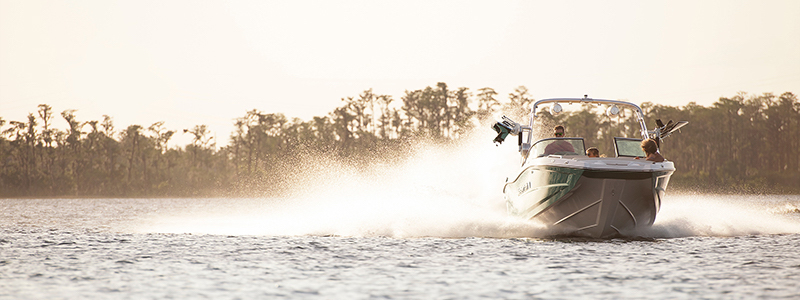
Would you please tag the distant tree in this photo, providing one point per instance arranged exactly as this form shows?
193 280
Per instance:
386 117
487 103
461 112
46 115
519 104
130 140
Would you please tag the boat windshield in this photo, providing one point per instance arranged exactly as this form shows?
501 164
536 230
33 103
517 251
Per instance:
559 146
628 147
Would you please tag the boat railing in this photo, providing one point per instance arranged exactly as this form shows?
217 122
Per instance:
613 109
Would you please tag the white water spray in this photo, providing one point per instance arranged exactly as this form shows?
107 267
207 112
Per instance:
725 215
439 191
442 191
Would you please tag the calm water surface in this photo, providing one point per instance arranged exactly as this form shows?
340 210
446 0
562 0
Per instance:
702 246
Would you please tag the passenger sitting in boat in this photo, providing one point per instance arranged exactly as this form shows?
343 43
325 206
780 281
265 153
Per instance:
592 152
651 150
558 146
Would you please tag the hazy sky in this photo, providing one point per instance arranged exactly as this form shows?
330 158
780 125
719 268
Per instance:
208 62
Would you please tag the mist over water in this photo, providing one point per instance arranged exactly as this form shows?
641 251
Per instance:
448 191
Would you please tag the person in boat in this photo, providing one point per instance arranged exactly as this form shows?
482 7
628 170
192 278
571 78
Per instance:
592 152
651 150
558 146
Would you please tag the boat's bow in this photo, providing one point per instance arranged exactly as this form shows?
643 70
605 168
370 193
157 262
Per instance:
589 196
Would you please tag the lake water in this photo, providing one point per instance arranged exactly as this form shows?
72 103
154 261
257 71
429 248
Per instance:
432 226
701 246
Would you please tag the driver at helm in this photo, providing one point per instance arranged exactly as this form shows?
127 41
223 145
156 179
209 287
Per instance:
559 145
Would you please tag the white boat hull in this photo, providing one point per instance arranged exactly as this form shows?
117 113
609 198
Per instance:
596 203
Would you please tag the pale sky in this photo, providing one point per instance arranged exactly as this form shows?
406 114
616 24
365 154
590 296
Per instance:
208 62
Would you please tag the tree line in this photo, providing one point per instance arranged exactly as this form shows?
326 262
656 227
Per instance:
743 143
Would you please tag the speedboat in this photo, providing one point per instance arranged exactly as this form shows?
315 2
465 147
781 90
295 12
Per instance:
577 195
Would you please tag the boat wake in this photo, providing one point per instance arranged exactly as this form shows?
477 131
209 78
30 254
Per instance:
685 215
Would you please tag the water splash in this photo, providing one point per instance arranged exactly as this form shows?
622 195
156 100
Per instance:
725 215
444 191
438 191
